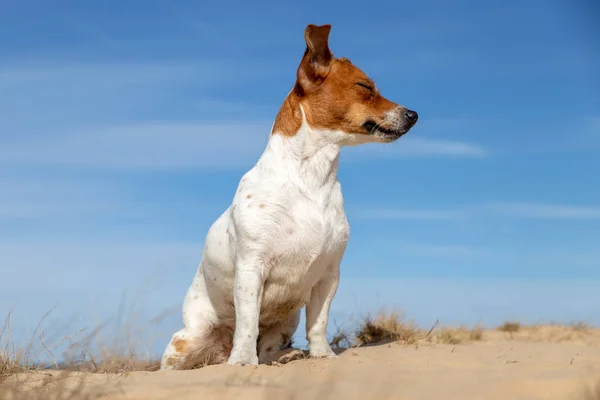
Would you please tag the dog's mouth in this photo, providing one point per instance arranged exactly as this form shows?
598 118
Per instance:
384 133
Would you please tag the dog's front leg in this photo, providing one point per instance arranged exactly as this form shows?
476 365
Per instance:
317 313
247 294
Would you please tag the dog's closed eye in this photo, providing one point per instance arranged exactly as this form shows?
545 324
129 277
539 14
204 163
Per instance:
367 86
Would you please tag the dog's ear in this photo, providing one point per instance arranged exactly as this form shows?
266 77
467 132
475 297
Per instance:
316 62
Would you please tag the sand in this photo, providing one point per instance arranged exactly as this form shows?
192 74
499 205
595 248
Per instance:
499 367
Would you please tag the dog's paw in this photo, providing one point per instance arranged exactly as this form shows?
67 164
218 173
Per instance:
243 358
322 351
289 355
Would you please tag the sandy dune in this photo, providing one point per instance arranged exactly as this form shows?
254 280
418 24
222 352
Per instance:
496 368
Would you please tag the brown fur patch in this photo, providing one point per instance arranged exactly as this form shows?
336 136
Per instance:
281 311
180 345
213 348
289 118
334 93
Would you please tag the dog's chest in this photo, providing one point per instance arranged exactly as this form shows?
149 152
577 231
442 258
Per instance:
310 231
317 227
300 229
310 237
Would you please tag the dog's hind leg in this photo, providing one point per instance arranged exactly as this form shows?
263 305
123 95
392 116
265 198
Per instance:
187 349
204 340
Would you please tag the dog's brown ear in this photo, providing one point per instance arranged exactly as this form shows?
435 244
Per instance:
317 58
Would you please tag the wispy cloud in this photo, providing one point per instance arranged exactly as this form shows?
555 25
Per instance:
421 147
199 144
544 211
146 146
68 95
57 204
37 198
210 71
406 214
83 114
413 146
438 250
494 209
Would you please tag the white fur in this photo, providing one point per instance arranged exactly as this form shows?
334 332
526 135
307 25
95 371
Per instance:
277 248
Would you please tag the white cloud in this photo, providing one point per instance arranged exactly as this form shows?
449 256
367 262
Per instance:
40 100
407 214
81 264
437 250
544 211
35 198
56 203
503 209
200 144
423 147
85 75
414 146
77 109
146 146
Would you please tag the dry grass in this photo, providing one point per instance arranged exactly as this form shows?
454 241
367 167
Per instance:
342 339
15 359
510 327
460 335
550 332
388 327
581 326
46 364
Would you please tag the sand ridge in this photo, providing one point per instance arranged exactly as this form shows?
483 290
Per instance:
496 368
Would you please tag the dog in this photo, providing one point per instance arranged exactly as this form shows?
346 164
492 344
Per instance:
279 245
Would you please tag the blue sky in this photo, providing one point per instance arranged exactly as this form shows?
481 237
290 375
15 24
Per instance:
125 127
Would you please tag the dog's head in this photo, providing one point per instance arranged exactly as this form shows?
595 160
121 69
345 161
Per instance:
337 95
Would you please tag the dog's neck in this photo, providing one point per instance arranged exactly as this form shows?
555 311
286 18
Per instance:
310 155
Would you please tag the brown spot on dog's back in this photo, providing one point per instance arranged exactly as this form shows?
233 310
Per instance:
180 345
262 206
249 196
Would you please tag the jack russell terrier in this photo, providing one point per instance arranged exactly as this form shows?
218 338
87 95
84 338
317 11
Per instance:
279 246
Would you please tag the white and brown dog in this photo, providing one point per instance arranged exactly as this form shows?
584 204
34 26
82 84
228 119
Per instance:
278 247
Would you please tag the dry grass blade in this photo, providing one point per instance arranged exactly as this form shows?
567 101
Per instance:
341 339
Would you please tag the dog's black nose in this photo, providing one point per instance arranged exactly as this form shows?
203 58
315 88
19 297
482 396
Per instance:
411 116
